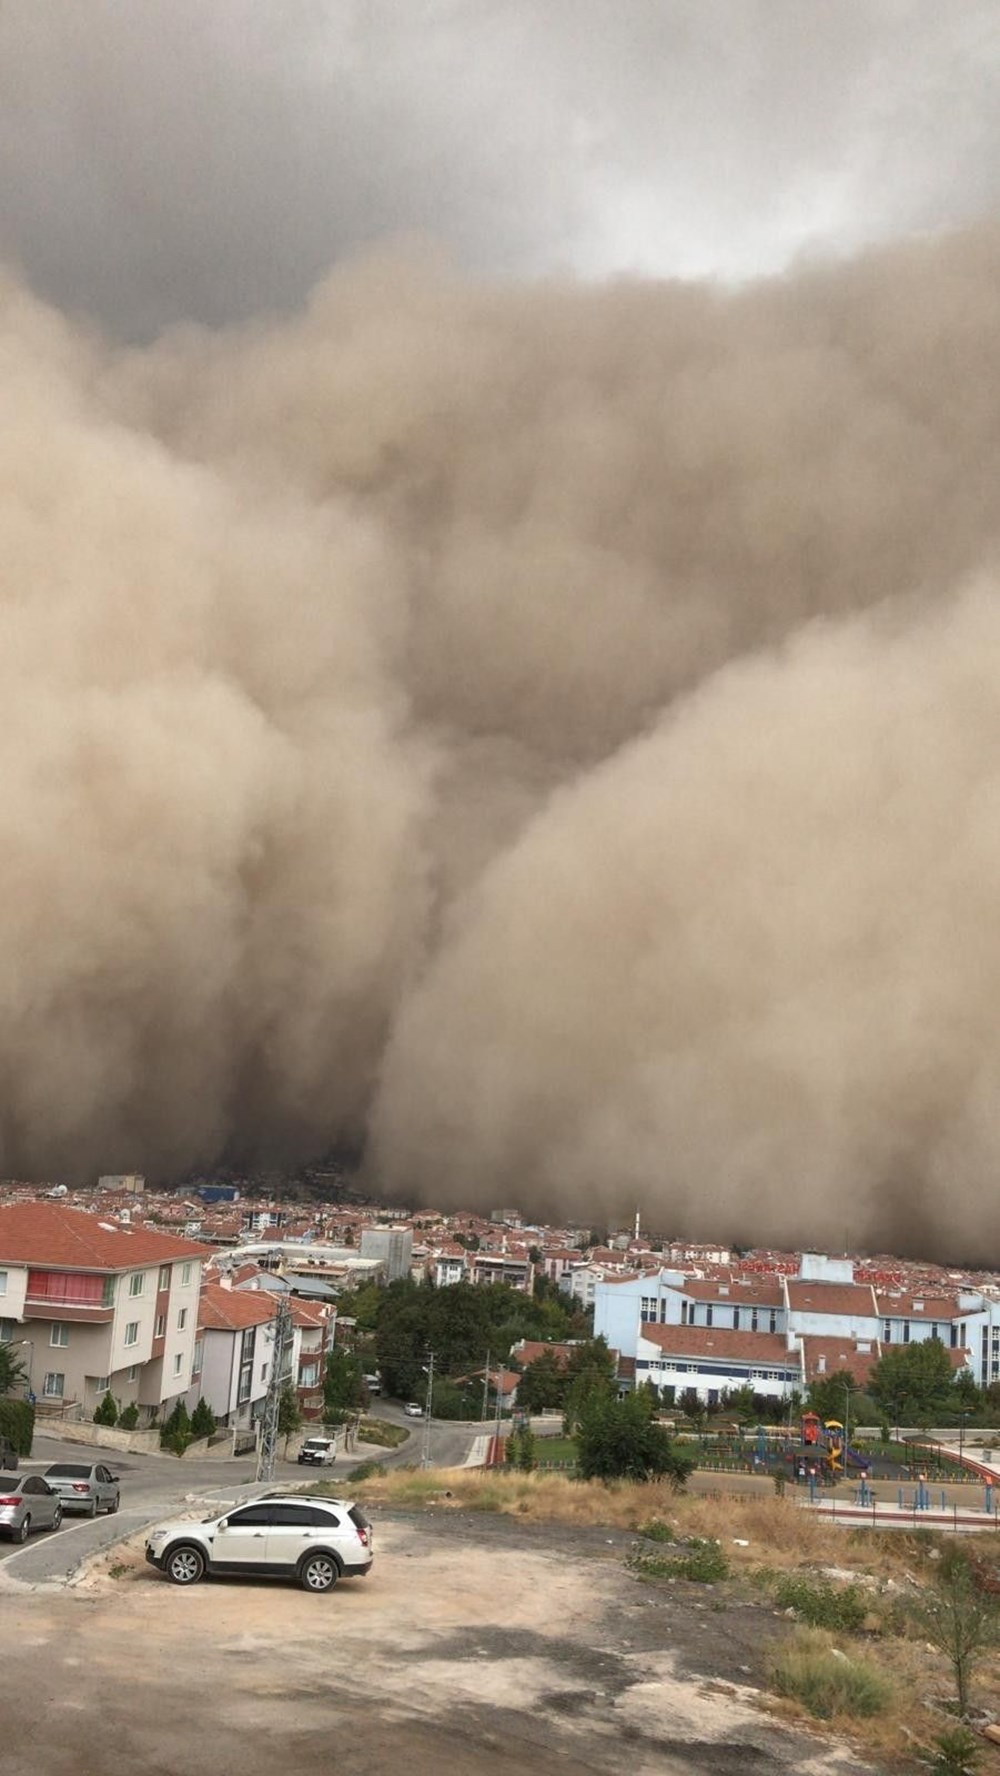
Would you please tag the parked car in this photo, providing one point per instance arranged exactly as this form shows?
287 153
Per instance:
10 1461
318 1451
27 1503
316 1541
85 1486
412 1410
373 1383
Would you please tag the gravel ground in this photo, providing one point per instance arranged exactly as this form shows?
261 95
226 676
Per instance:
477 1645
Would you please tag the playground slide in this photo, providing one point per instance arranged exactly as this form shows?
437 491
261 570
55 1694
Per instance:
857 1459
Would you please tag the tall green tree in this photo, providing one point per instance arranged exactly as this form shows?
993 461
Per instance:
343 1385
618 1440
544 1384
13 1373
825 1395
913 1381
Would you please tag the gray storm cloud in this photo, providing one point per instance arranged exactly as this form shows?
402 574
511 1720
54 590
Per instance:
168 160
546 732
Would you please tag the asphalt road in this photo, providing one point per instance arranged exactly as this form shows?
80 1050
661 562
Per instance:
158 1486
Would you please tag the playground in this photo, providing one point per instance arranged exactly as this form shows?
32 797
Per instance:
816 1453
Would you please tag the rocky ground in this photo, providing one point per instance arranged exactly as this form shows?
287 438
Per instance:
477 1645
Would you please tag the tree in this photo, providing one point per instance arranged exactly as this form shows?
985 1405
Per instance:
618 1440
590 1372
289 1414
106 1412
13 1373
128 1418
544 1383
202 1420
961 1619
825 1394
913 1381
343 1386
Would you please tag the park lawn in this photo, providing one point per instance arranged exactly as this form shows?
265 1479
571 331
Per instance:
555 1449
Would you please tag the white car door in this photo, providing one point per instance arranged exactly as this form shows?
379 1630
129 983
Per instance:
297 1528
240 1539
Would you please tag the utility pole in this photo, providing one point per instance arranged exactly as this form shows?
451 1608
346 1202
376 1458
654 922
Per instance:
486 1389
268 1448
425 1460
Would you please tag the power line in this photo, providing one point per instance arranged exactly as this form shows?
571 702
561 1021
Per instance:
268 1448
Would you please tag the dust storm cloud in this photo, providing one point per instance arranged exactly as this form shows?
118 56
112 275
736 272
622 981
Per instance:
549 732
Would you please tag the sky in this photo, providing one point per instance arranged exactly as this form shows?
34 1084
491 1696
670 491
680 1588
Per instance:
498 604
164 160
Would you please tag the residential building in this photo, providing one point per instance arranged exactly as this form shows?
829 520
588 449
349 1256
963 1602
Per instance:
98 1307
236 1328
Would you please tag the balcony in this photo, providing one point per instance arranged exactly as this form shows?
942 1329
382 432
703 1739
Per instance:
41 1307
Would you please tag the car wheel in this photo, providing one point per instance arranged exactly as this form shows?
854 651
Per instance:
93 1507
22 1534
185 1565
115 1502
319 1572
57 1517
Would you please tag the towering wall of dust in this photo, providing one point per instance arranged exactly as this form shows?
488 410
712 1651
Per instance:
551 730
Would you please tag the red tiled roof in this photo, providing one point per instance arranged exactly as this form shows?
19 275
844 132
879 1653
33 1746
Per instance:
847 1299
528 1351
722 1343
230 1310
756 1292
53 1237
838 1353
932 1307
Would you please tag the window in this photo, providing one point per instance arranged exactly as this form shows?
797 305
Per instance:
647 1308
178 1363
309 1376
182 1316
132 1332
108 1292
52 1386
163 1281
250 1517
161 1326
136 1282
753 1319
736 1319
3 1282
263 1372
6 1331
774 1319
886 1331
133 1372
185 1275
196 1358
100 1383
59 1333
906 1331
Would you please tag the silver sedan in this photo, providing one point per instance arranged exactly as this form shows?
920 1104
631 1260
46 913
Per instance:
27 1502
84 1486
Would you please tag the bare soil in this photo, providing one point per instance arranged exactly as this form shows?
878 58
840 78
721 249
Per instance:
478 1645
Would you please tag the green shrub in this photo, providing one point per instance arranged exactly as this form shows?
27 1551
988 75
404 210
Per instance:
128 1418
17 1424
202 1420
363 1471
827 1683
704 1563
821 1604
106 1412
176 1433
957 1753
656 1531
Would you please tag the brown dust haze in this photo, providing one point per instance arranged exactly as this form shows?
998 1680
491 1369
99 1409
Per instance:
551 734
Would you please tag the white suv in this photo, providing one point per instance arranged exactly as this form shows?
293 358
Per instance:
314 1540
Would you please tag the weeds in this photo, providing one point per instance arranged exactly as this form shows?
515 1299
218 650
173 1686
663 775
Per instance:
821 1604
655 1530
827 1683
957 1753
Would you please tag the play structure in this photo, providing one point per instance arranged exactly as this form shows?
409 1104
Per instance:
825 1441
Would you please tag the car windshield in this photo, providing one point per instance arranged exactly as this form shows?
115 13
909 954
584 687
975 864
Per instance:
68 1471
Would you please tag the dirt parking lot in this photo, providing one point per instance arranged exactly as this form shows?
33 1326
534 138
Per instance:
477 1645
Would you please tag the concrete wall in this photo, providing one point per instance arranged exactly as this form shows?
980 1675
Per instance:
101 1436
